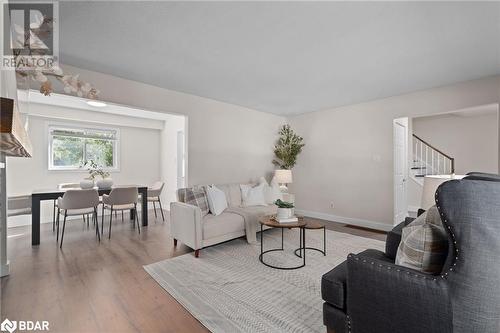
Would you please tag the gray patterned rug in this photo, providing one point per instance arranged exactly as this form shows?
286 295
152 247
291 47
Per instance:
228 290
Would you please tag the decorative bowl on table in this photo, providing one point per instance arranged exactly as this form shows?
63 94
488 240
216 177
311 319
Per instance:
86 183
105 183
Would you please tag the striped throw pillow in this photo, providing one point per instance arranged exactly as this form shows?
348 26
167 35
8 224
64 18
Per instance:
424 244
196 197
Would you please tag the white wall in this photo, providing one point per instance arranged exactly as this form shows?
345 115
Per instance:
348 157
169 160
139 156
471 140
226 143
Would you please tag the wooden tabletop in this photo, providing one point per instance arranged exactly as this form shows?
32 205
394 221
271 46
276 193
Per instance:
271 222
303 222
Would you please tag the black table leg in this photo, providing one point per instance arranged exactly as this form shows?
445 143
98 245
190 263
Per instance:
35 220
144 207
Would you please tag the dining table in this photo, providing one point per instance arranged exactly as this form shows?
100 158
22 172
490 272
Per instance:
52 194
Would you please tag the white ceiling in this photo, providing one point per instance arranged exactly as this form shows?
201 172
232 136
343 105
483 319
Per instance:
285 57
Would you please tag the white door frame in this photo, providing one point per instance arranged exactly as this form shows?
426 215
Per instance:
403 122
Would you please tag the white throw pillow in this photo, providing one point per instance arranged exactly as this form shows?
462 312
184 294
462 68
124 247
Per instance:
217 201
253 196
272 192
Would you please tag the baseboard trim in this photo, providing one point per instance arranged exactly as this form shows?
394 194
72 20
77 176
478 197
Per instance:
5 269
347 220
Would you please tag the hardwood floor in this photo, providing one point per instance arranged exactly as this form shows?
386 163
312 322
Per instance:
91 287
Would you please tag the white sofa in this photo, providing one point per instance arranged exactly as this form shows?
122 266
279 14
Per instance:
197 232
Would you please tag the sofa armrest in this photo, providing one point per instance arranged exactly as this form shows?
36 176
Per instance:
185 222
384 297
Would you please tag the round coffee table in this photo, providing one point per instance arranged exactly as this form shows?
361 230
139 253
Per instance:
312 225
270 222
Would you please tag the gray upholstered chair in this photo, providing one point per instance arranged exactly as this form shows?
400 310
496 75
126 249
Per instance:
63 186
154 193
77 202
19 205
369 293
120 199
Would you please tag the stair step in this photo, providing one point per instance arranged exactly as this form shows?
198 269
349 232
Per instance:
420 176
418 168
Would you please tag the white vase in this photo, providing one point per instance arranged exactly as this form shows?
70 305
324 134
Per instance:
86 183
285 213
105 183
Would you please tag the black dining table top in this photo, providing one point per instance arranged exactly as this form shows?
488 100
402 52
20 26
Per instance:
62 190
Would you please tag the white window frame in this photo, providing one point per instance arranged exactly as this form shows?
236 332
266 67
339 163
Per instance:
116 149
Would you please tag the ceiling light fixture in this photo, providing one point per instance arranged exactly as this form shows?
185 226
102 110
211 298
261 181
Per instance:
96 104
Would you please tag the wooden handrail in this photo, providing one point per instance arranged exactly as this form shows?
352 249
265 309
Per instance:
452 159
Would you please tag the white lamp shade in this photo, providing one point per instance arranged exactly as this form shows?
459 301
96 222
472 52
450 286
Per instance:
283 176
431 184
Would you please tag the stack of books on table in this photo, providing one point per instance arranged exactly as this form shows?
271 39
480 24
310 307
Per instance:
293 219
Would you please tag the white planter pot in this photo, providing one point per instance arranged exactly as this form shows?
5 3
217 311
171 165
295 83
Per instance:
87 183
104 184
285 213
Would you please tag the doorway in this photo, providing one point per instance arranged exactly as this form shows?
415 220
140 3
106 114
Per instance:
400 131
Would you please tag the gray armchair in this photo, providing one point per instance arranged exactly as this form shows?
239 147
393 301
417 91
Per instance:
369 293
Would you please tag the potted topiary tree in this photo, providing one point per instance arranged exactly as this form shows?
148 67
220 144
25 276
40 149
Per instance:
287 148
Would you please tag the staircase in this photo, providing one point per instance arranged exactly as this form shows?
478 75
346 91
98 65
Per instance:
428 160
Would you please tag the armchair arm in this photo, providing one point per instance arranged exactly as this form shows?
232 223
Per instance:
185 221
394 238
383 297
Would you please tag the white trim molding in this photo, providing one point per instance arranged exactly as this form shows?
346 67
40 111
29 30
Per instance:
346 220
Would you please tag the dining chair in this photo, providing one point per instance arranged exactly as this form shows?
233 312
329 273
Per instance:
77 202
154 193
120 199
19 205
63 186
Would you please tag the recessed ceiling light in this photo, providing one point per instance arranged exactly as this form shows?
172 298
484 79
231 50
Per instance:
96 104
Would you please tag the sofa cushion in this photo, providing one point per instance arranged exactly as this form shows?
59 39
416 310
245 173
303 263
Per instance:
333 286
253 195
225 223
233 194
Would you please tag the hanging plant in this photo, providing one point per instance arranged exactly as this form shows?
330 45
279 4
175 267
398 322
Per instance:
287 148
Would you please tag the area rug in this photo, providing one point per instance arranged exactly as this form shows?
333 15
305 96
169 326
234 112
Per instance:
229 290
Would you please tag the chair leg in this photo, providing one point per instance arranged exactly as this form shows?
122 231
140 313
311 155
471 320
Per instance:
110 221
96 224
102 221
154 207
54 217
175 242
137 218
57 222
64 227
122 215
197 253
116 214
161 210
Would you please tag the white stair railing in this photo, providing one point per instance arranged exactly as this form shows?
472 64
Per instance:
428 160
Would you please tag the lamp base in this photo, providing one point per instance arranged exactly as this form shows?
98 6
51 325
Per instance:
283 188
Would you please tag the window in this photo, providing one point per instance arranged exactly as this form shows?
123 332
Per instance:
70 147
